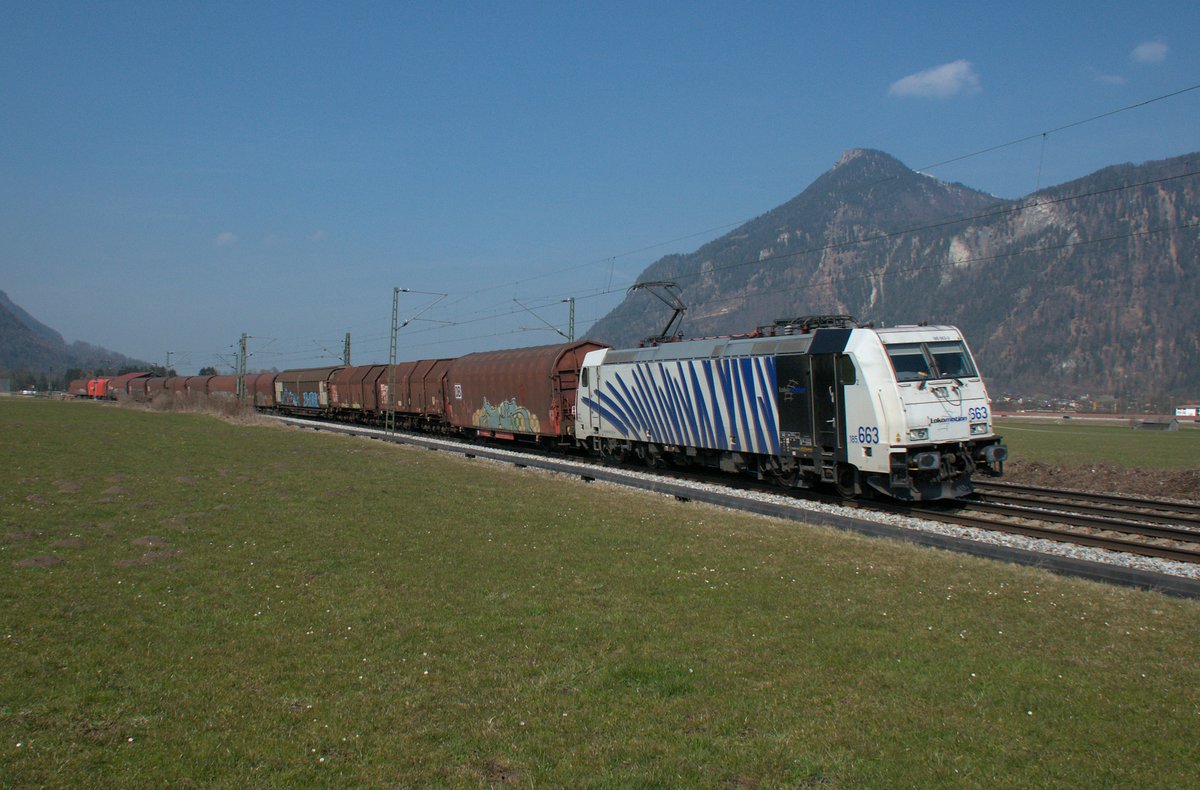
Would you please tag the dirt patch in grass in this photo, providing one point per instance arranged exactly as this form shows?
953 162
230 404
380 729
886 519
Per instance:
151 540
68 486
179 522
36 499
149 558
68 543
187 480
23 535
41 561
116 491
500 773
1108 478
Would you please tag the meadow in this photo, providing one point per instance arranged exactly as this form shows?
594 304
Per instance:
186 601
1080 441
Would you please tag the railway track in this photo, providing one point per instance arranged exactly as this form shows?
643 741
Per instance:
1109 505
1152 528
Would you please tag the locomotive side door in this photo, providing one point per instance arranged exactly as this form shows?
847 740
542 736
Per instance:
590 385
829 410
795 401
827 402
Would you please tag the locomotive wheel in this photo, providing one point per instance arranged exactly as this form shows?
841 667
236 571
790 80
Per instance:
847 481
615 455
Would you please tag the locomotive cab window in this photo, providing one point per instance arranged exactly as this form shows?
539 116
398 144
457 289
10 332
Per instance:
846 372
583 379
925 361
909 362
951 360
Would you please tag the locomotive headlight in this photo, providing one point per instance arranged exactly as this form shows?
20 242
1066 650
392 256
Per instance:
918 434
979 428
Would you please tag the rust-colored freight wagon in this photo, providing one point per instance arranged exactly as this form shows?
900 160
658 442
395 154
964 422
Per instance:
155 387
522 392
137 389
353 388
260 388
223 387
119 387
304 389
370 388
426 388
176 386
78 387
418 388
196 387
393 388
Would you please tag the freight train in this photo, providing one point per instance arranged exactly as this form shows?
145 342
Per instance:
900 412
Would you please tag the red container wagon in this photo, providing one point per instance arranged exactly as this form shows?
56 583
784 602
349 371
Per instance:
260 389
427 388
370 388
97 387
137 389
351 388
396 382
119 387
223 387
196 387
155 387
304 390
521 393
418 388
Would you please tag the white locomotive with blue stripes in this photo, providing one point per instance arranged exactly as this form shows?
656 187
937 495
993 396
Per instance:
900 411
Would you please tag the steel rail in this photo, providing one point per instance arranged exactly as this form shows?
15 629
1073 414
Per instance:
1189 510
1177 554
1084 518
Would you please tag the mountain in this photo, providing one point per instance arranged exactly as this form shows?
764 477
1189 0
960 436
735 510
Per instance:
28 346
1090 287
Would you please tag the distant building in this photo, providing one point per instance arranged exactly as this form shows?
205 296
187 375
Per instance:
1187 411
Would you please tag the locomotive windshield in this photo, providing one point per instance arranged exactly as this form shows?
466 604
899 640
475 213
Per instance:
925 361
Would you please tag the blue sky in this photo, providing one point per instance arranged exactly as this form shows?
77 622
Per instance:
174 174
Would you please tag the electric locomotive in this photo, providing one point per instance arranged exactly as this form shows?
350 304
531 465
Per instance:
901 411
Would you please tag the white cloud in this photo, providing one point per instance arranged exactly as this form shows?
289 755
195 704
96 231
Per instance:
1150 51
1111 79
940 82
316 236
225 238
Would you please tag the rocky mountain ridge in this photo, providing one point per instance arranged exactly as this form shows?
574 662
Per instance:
1089 287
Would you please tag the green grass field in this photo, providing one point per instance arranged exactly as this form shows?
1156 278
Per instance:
1079 442
187 601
